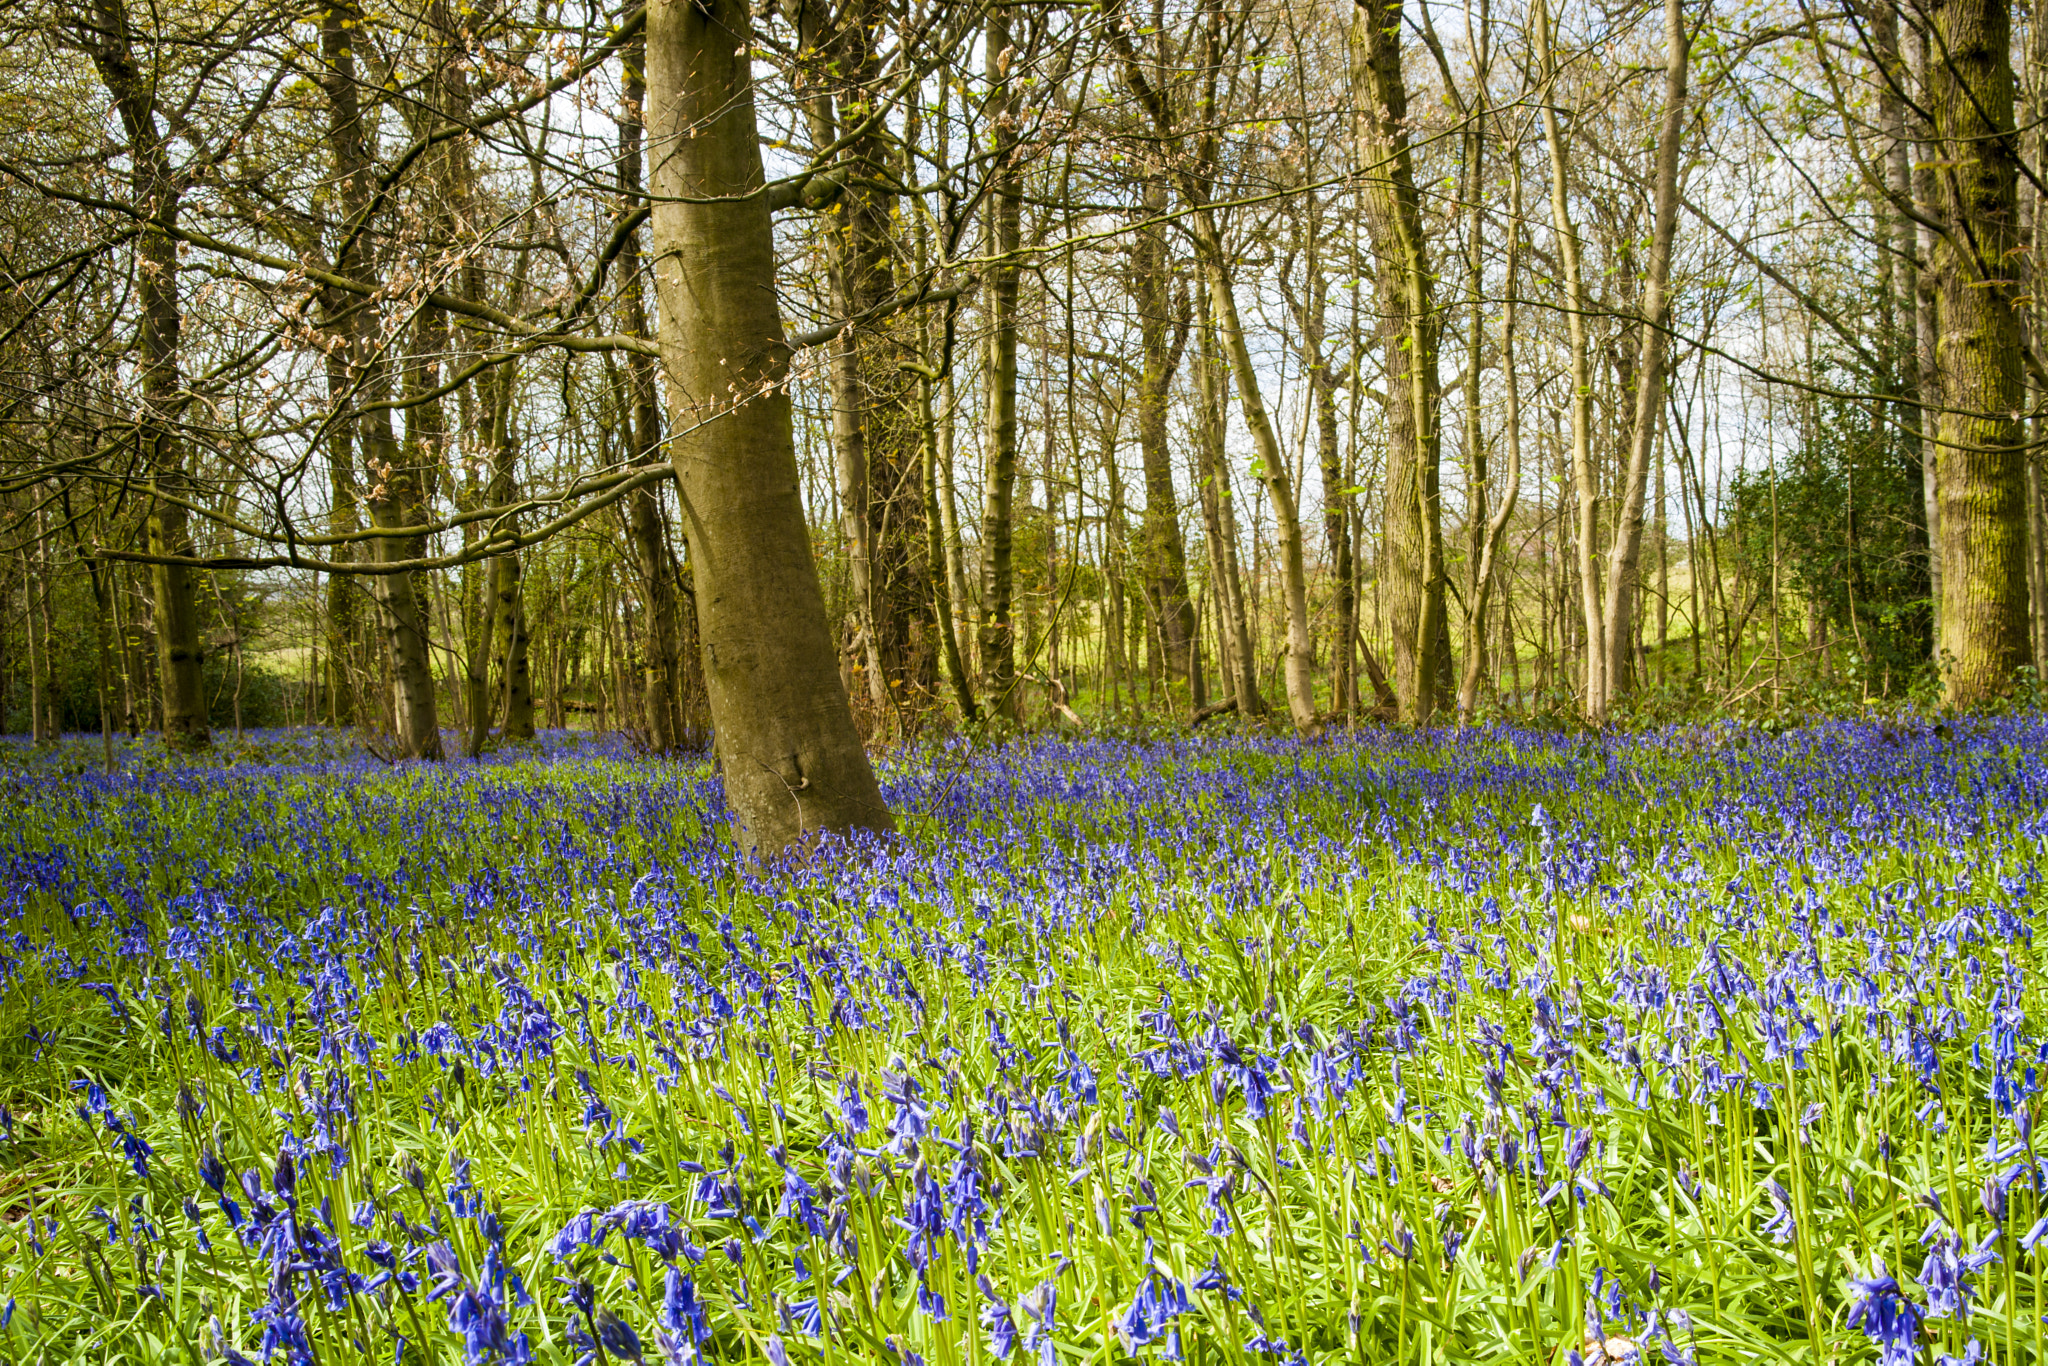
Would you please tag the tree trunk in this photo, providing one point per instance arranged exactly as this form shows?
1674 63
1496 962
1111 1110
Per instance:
1476 517
38 642
1005 222
1409 330
509 660
180 651
1496 526
1162 331
1271 471
1584 477
937 450
1624 556
936 411
1313 321
1901 240
660 650
876 434
1927 330
343 596
660 647
949 528
393 494
1234 646
791 758
1337 535
1982 461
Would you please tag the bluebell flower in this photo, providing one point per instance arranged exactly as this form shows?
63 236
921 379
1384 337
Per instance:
1780 1225
853 1112
996 1317
1946 1272
682 1311
1885 1316
615 1335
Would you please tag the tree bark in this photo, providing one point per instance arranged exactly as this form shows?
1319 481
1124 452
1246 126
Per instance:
791 758
1584 478
181 653
997 635
1409 332
392 493
1624 555
1271 471
1927 331
1476 516
1496 526
1982 461
660 647
1162 332
1311 315
876 431
344 592
1239 668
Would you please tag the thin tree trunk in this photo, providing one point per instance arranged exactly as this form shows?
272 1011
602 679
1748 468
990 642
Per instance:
1234 633
343 599
1511 486
938 482
1271 471
936 412
1313 318
1624 555
393 497
180 651
1594 702
660 647
1927 329
1904 275
1477 520
1163 328
38 645
997 635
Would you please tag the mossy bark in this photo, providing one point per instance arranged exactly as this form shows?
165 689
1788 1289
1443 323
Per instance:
1981 463
1410 329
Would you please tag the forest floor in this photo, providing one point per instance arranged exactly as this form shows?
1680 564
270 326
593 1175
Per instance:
1699 1044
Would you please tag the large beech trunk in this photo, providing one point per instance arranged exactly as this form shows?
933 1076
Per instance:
792 761
1981 470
